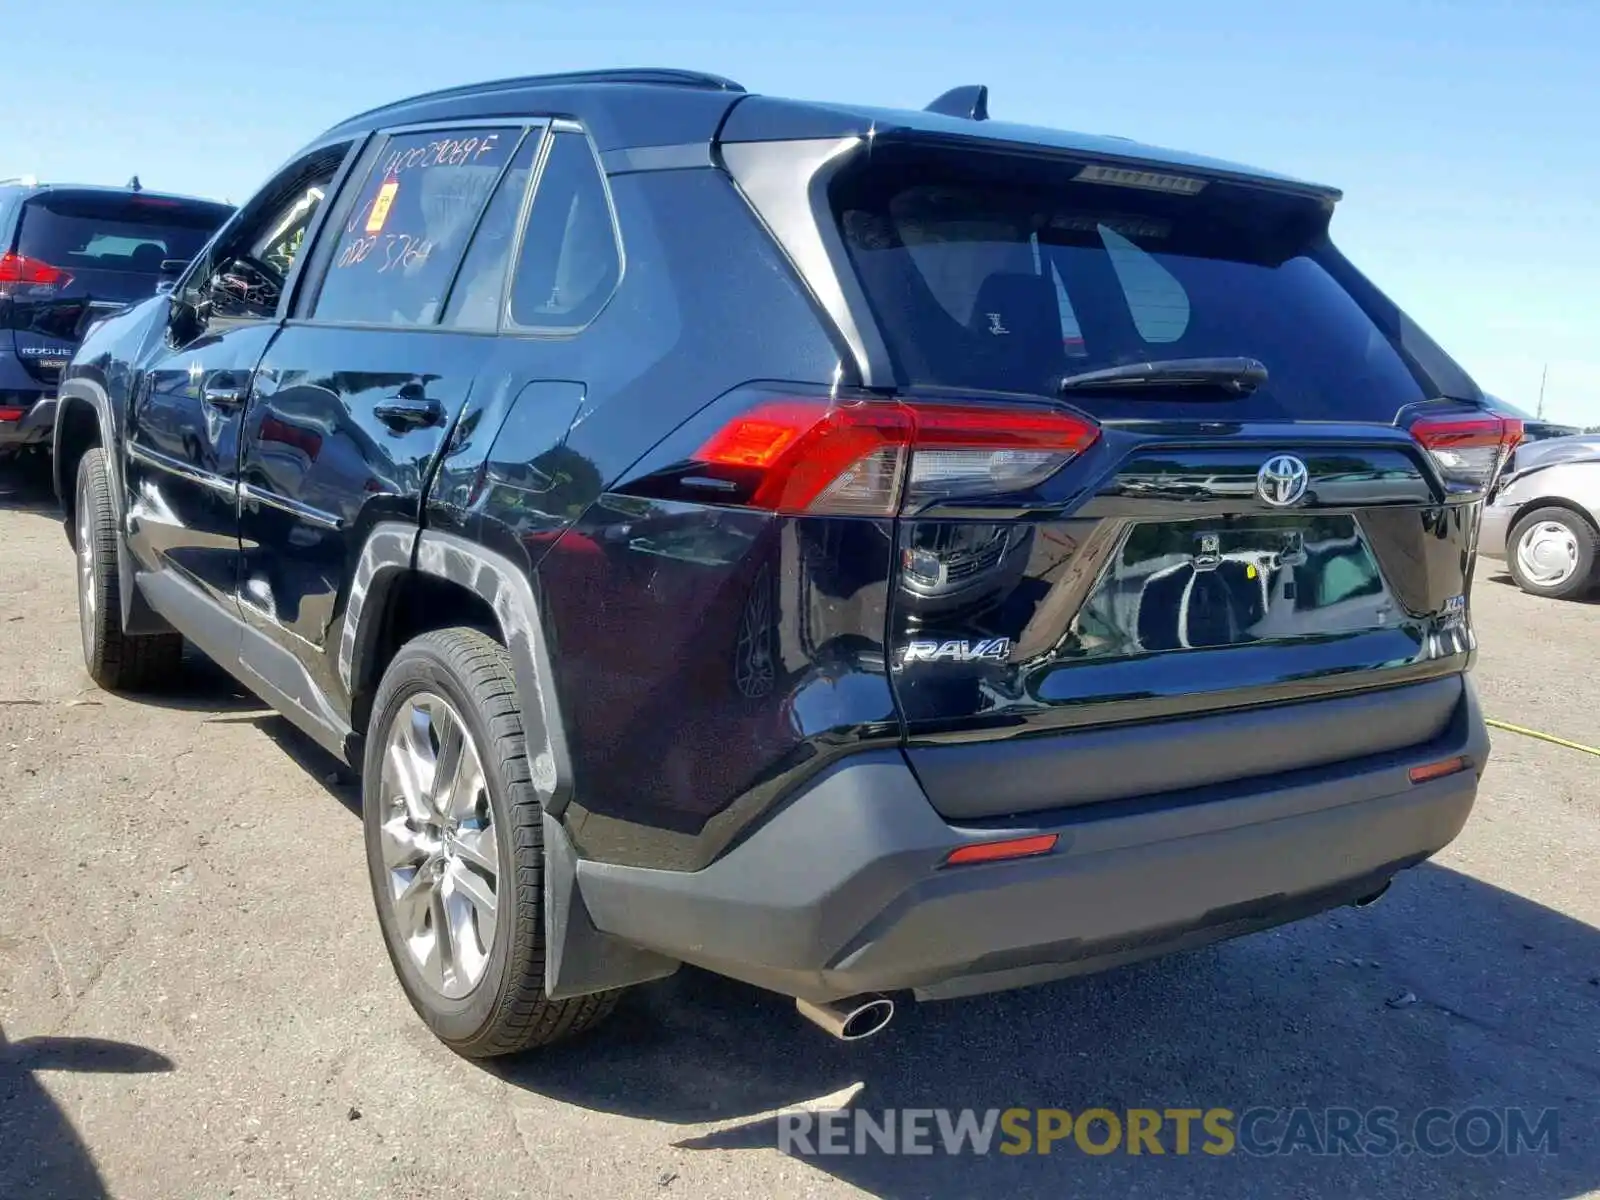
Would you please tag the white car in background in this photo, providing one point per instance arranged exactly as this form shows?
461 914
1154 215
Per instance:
1542 517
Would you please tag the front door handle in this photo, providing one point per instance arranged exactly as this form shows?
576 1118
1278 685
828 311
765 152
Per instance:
223 396
404 412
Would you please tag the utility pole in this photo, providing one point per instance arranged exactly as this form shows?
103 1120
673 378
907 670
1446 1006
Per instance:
1543 376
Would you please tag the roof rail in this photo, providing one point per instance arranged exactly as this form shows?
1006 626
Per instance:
970 103
659 76
21 180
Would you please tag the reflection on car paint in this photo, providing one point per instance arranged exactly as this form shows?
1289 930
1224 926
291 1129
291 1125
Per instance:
754 621
1183 585
1128 612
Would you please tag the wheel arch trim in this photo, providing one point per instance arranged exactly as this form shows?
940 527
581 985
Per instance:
73 393
508 591
389 551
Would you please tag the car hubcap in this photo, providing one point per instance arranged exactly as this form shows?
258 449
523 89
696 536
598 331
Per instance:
440 853
1548 553
86 597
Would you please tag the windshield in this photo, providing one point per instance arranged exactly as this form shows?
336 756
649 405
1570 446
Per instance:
114 232
996 272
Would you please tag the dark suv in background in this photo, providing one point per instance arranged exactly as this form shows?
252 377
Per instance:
70 255
855 551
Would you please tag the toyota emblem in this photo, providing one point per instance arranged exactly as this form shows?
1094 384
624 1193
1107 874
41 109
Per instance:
1282 480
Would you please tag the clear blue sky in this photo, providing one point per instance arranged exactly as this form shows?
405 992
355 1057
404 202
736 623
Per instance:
1465 133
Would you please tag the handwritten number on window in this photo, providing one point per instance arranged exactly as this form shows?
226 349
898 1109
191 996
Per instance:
399 250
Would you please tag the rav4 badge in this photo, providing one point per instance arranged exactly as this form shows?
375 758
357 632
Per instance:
958 650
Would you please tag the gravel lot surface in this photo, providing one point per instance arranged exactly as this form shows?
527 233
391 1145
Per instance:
194 1001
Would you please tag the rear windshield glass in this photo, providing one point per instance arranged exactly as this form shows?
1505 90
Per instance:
994 272
114 233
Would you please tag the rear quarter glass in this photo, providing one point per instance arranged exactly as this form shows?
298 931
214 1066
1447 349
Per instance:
997 272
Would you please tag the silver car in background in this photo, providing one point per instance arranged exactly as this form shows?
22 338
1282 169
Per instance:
1543 515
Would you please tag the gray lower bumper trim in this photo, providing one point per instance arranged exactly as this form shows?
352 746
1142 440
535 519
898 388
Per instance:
842 892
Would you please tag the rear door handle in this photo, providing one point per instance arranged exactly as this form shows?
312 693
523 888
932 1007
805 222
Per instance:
404 412
223 396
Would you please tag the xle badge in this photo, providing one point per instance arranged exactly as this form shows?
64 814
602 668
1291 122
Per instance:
956 650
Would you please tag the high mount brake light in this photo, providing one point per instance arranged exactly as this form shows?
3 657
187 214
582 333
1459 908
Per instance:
15 268
1468 450
869 457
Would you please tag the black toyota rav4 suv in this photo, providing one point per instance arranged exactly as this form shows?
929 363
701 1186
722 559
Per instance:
858 552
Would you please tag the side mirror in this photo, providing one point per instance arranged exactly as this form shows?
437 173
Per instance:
184 322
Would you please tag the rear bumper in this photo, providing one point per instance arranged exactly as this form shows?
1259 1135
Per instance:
35 427
978 781
843 891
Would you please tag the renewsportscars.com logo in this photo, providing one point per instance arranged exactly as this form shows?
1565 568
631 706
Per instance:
1261 1132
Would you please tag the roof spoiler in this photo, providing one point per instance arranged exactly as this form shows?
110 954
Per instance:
969 102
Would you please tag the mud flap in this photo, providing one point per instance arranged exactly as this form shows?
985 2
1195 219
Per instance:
580 960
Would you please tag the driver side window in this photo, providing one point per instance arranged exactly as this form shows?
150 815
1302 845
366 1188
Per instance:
245 272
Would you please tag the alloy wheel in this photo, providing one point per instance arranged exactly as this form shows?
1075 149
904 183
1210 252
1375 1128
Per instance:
439 845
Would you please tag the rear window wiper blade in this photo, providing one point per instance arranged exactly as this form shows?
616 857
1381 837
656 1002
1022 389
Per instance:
1233 376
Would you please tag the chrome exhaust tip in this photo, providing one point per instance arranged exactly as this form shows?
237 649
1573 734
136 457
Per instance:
1368 901
852 1019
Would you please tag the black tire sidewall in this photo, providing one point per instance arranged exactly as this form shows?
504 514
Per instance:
422 666
1581 580
93 486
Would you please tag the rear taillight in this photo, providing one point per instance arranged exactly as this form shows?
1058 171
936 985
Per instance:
17 269
1468 451
871 457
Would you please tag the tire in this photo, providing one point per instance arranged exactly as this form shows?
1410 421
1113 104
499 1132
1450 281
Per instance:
1551 552
481 994
115 660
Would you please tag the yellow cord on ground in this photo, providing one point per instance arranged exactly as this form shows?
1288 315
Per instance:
1543 737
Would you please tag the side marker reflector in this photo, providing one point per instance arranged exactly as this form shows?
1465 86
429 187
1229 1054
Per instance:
1438 770
1026 847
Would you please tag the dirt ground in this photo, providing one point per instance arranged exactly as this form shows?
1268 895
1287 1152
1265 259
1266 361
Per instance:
194 1001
